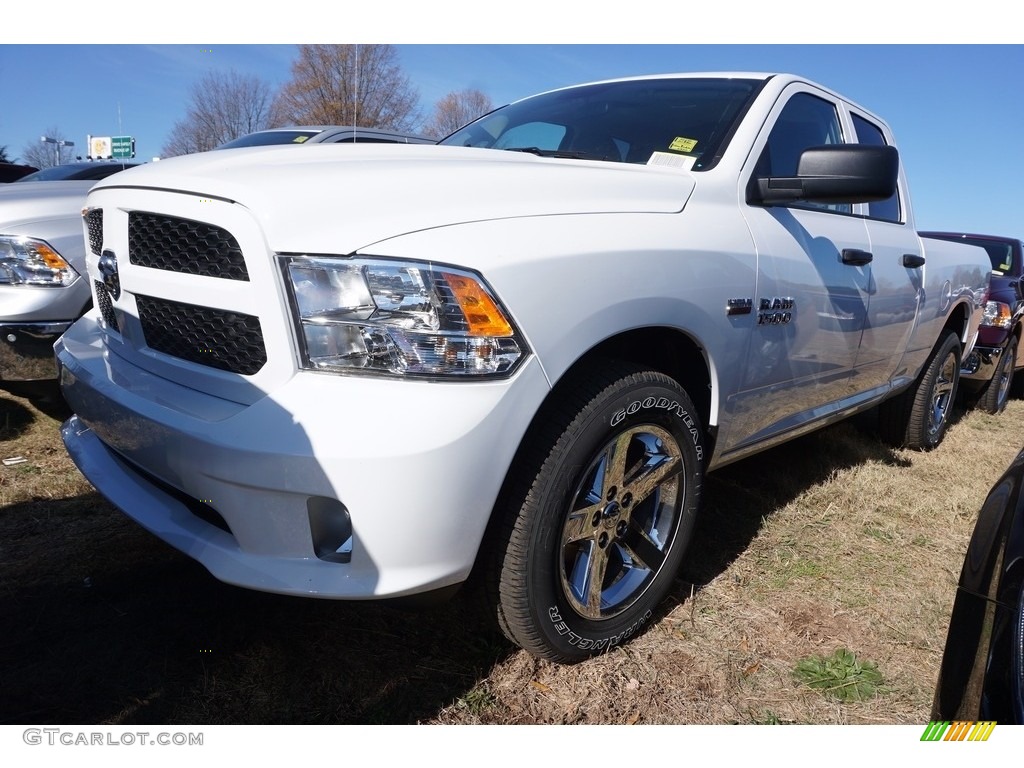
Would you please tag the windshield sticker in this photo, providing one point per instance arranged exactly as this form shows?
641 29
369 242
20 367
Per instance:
679 144
299 139
671 161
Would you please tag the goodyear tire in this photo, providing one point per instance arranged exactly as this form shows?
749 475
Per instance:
997 392
918 417
599 513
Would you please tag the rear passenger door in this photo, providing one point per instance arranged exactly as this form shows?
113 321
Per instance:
896 274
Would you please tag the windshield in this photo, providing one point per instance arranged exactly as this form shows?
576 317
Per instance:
627 121
266 138
1000 252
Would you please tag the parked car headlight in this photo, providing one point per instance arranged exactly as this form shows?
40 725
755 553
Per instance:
28 261
399 318
997 314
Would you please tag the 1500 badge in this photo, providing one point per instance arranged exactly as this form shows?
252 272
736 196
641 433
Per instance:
776 310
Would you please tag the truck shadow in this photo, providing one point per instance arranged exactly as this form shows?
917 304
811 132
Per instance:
739 497
116 627
15 418
45 398
103 623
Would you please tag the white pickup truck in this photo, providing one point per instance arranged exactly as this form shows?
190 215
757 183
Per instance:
365 372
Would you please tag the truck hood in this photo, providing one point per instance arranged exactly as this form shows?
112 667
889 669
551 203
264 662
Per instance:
32 202
340 198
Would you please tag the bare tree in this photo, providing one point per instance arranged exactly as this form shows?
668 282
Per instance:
455 110
4 158
223 106
357 85
46 155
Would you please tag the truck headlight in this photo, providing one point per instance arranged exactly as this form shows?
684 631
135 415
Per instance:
398 318
28 261
997 314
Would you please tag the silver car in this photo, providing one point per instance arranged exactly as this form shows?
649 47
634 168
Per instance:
43 288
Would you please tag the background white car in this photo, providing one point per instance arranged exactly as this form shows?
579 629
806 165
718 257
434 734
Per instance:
324 134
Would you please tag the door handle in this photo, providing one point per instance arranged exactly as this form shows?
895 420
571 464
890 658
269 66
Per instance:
856 257
912 260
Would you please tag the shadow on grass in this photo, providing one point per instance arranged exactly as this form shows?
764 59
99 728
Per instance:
739 497
109 625
15 418
44 396
103 623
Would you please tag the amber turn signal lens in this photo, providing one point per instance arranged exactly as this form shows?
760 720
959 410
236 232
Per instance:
482 314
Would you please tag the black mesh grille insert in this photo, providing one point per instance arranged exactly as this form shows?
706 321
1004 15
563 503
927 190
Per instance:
183 245
94 223
230 341
105 305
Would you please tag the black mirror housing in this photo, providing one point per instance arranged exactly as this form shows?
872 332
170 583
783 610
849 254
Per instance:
836 173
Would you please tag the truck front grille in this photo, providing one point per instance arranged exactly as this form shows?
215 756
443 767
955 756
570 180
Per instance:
105 305
183 245
229 341
94 223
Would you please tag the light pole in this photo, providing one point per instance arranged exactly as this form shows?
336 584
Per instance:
59 142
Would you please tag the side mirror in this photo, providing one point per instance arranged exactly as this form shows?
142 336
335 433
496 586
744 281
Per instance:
836 173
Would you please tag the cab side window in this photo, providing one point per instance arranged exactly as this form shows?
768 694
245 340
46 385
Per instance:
806 121
871 134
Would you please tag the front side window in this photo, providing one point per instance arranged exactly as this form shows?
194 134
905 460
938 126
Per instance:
806 121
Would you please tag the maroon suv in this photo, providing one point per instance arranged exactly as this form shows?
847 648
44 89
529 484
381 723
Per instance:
988 373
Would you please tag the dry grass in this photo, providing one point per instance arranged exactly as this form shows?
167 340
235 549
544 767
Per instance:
833 541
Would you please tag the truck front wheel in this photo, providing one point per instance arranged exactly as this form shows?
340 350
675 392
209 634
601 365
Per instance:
997 392
599 513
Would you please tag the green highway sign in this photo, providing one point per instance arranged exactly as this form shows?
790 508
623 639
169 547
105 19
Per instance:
122 146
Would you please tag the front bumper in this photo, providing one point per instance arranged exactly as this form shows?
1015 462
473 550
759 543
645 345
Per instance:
416 466
26 350
29 326
981 364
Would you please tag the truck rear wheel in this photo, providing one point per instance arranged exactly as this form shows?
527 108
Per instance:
599 514
918 417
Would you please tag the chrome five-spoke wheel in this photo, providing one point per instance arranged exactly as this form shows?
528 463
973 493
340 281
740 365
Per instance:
620 521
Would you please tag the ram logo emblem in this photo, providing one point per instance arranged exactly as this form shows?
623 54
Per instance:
108 271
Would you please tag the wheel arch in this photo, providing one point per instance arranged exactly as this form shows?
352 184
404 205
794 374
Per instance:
958 321
1017 333
666 350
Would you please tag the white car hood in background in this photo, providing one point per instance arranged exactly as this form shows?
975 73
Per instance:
30 202
340 198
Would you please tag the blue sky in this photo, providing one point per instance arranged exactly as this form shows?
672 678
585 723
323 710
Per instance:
956 109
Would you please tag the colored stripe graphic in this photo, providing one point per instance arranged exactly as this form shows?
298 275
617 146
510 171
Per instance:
982 731
958 730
